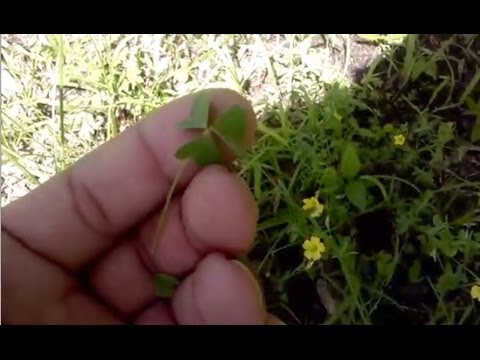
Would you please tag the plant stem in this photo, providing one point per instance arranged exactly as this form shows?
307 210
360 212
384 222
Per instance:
163 215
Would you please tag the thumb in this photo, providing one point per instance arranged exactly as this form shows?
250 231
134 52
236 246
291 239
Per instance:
219 292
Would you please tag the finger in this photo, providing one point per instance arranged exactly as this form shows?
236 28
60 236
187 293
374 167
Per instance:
219 292
219 212
161 314
124 277
273 320
36 292
76 215
158 314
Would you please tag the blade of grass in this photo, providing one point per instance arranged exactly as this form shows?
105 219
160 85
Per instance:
61 94
471 85
268 60
409 62
271 132
399 180
15 158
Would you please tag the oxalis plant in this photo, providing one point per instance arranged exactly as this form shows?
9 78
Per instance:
225 132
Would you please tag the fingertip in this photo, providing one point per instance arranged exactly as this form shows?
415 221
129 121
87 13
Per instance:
219 292
219 212
158 314
253 280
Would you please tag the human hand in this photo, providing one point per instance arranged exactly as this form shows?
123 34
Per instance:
76 250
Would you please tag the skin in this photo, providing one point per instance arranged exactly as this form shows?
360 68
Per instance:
77 249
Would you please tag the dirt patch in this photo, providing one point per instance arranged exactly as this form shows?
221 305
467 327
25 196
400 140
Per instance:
361 57
375 232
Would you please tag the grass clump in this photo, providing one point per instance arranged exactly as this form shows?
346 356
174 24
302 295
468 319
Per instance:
390 160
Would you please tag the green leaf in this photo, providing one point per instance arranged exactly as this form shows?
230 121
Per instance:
445 132
378 183
199 113
350 165
366 133
475 134
431 69
231 128
357 194
473 106
203 150
437 222
337 212
384 264
409 62
388 128
232 124
403 223
448 281
417 68
415 271
165 285
471 86
330 180
332 123
423 66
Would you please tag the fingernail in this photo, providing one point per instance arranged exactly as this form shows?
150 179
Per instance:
257 285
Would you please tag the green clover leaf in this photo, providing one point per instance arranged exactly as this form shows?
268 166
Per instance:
199 113
203 150
230 129
165 285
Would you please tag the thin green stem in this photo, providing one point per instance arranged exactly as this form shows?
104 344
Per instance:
398 179
163 215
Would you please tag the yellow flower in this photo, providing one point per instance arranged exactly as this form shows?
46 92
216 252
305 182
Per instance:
313 249
313 206
399 140
475 292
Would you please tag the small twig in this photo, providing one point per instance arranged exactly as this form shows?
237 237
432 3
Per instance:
268 61
347 44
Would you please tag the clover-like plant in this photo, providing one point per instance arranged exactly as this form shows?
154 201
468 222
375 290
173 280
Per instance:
223 134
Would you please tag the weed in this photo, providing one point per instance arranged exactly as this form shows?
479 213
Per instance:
383 156
388 164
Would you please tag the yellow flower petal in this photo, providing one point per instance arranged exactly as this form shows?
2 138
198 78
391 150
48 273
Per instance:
307 245
313 248
475 292
313 206
308 254
399 140
310 203
318 211
321 248
306 205
315 240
